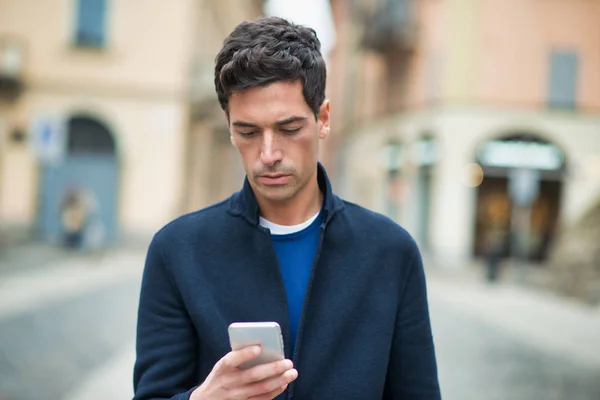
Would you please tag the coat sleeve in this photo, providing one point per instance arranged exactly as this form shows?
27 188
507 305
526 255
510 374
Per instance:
166 341
412 371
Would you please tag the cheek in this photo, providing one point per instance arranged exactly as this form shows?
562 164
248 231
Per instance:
246 152
244 145
307 147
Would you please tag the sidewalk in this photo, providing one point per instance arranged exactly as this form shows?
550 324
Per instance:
113 381
55 281
29 256
62 278
543 320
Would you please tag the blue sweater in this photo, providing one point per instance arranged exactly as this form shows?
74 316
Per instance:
296 254
364 331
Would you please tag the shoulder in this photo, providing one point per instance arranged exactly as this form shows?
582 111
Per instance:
194 224
377 228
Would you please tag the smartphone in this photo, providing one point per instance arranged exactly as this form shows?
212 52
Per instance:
265 334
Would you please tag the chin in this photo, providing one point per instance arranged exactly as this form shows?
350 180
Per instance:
277 194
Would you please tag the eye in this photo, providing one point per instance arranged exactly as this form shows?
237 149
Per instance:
290 130
247 134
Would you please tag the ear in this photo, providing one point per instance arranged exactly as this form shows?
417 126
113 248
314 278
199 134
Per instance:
323 120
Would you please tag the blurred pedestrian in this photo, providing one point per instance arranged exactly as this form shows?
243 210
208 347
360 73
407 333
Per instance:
73 218
494 248
496 234
346 285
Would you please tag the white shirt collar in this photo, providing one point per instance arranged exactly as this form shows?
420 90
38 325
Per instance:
286 229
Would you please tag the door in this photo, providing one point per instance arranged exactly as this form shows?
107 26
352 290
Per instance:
90 167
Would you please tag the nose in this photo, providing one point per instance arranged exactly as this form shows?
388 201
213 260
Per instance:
270 152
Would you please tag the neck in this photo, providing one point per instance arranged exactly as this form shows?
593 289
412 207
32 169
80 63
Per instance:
304 205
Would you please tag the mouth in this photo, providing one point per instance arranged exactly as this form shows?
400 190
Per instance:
274 179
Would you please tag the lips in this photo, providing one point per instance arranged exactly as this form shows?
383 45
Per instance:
274 180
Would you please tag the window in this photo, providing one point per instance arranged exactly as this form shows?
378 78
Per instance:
563 79
91 23
88 136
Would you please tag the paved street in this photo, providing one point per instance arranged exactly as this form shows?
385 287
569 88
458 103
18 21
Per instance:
478 361
492 343
84 318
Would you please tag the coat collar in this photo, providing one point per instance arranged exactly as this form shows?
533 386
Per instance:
244 204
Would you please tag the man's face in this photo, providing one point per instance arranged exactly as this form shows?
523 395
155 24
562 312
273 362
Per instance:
277 135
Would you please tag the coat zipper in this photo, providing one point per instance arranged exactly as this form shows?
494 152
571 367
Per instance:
304 307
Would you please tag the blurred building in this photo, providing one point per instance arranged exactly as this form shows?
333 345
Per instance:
213 168
115 98
473 123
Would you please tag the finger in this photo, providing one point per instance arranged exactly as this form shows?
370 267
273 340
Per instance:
234 359
267 386
261 372
270 396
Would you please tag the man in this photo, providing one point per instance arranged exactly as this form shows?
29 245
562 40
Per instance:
346 285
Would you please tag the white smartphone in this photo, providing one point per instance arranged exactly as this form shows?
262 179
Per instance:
265 334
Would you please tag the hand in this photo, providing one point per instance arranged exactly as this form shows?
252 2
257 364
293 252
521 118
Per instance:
262 382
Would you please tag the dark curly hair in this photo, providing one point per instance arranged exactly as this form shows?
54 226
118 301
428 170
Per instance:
267 50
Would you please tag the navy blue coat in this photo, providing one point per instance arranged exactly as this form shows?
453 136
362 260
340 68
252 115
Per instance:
364 333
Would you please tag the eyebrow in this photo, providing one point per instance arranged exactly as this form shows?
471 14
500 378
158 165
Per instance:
290 120
287 121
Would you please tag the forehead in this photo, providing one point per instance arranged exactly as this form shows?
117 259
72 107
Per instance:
266 104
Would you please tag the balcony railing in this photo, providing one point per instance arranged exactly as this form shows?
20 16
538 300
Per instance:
391 27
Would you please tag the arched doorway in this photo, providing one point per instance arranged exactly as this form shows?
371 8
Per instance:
90 169
518 201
